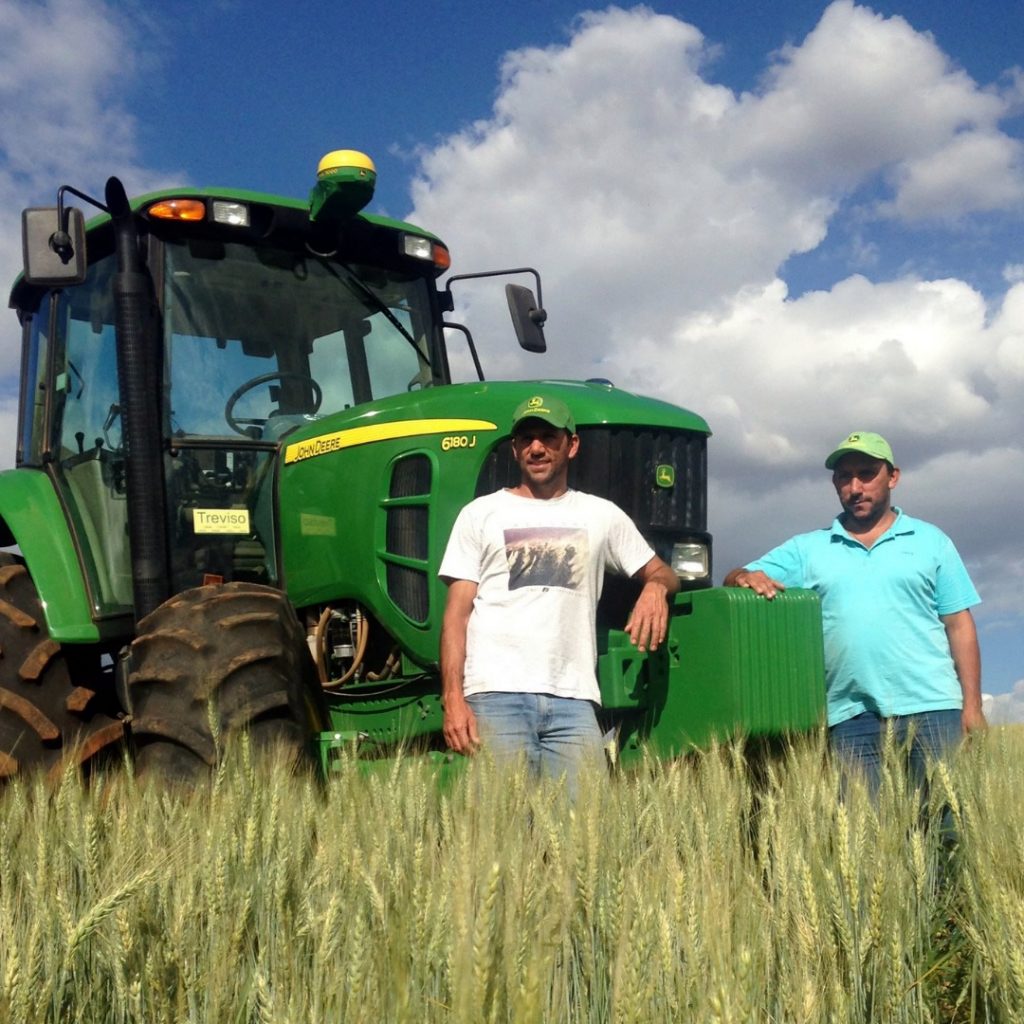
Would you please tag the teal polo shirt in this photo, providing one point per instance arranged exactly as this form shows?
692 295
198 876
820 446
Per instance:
886 649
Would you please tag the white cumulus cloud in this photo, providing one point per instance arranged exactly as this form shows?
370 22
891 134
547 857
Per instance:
662 208
1005 708
66 72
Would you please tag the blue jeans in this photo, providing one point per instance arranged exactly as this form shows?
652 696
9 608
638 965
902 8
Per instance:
930 734
556 735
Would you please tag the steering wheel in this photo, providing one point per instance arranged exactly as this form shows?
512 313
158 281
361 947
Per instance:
238 425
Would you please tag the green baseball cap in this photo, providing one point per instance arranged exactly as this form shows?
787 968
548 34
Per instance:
865 443
550 410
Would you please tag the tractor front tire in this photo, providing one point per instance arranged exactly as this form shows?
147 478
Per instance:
211 663
46 720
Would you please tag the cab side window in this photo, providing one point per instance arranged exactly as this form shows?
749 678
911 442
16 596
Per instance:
86 409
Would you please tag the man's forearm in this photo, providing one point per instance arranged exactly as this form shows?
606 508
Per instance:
460 731
968 670
966 654
454 630
664 576
453 664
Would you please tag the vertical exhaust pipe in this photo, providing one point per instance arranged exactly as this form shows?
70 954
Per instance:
138 373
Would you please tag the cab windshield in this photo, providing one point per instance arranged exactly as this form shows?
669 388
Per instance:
260 340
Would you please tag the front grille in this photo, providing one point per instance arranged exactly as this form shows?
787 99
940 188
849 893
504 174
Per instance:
407 535
620 463
407 531
410 476
408 589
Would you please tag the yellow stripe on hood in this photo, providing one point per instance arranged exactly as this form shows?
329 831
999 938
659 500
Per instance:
334 442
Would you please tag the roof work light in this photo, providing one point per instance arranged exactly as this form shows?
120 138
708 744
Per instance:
421 248
178 209
221 211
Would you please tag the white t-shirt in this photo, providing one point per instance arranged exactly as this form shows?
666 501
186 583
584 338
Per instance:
539 567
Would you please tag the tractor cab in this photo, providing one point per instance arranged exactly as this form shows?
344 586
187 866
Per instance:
259 319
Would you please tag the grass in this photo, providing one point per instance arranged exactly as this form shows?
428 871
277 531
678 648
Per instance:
689 891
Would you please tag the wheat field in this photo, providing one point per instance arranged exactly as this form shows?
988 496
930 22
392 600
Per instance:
703 889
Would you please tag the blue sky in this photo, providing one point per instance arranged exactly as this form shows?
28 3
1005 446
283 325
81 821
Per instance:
796 218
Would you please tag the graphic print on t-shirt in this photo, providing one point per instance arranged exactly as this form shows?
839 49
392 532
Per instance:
546 556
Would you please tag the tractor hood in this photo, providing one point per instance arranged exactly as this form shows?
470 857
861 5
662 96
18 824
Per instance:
367 497
480 409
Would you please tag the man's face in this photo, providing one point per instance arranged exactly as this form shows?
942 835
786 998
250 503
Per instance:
864 486
543 451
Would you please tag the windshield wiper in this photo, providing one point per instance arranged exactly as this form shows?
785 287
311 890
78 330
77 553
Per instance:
361 289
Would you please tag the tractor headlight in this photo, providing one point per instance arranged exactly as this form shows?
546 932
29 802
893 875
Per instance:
426 249
690 561
235 214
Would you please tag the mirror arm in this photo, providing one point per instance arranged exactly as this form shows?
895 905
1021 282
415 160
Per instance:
60 240
538 316
472 346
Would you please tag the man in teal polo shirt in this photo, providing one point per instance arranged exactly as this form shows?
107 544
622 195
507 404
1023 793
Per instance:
900 641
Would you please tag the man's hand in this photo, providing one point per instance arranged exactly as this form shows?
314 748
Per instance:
757 581
648 622
460 732
972 719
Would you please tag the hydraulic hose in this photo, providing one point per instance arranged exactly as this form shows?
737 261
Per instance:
320 643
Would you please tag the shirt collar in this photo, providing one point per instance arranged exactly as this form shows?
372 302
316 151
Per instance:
900 526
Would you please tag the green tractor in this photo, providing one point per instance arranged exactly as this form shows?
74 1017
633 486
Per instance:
240 453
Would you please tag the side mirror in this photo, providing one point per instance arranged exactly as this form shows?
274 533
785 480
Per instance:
527 318
53 254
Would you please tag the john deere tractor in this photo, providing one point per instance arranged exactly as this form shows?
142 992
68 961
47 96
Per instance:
240 453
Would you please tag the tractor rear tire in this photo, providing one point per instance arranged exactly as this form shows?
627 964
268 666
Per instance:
211 663
46 721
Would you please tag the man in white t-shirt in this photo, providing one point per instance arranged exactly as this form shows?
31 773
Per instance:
524 568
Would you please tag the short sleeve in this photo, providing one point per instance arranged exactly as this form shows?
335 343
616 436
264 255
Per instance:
462 556
784 563
954 590
628 552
